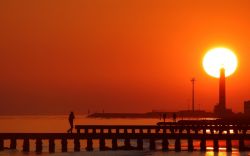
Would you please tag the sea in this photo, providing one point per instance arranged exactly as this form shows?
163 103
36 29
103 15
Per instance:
59 123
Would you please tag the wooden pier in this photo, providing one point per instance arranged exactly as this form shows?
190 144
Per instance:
189 131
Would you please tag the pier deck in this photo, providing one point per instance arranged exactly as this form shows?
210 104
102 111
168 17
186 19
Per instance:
201 131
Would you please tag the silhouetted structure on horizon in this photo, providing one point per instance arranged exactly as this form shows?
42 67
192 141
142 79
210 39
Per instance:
155 114
193 80
220 109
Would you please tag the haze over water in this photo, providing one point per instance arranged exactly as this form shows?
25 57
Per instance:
46 124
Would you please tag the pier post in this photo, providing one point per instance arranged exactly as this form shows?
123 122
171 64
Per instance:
212 131
164 131
235 131
1 144
204 131
117 130
64 145
229 145
180 131
244 131
216 145
171 130
177 145
241 145
220 131
13 143
77 145
89 144
51 145
101 144
26 145
203 144
190 145
114 144
157 130
39 146
140 144
127 144
165 144
196 131
152 144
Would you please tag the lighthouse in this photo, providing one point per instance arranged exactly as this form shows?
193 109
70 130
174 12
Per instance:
220 109
222 90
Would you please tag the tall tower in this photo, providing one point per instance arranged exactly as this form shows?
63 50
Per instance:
222 90
220 108
193 80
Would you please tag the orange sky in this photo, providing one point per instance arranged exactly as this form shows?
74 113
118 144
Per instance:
118 55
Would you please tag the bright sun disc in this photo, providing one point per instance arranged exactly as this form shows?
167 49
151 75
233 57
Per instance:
218 58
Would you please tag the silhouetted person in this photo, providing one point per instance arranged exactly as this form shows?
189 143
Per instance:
164 115
174 117
71 121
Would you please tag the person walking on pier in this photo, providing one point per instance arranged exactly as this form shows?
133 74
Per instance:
71 122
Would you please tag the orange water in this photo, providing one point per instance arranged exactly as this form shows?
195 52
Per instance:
59 123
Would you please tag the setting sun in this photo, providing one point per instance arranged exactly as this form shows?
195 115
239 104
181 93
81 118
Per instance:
218 58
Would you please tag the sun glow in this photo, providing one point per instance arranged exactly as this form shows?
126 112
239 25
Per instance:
218 58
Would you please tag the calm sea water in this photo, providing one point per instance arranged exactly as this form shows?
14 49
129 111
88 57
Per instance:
60 124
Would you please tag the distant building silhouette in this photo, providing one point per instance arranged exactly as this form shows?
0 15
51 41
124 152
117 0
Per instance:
247 107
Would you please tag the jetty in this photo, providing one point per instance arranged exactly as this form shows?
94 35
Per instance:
177 131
